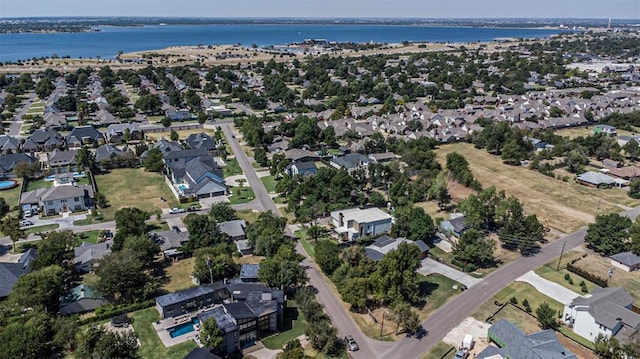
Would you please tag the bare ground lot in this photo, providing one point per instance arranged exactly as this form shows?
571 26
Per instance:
566 205
595 264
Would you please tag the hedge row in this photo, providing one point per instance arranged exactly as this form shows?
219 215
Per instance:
588 276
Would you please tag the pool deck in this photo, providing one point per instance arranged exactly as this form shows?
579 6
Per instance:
162 328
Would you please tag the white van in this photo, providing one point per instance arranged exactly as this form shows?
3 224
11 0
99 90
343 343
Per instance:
27 213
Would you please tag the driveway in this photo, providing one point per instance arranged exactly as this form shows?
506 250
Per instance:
430 266
549 288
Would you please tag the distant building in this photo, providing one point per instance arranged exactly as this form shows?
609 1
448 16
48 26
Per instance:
81 299
60 199
86 255
10 272
605 129
385 244
352 223
628 261
454 226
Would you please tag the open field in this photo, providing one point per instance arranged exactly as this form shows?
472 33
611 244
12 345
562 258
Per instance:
134 187
150 345
594 263
574 132
566 205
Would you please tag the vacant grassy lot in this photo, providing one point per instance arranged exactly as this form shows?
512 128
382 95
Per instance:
566 205
574 132
521 291
522 320
548 271
231 167
134 187
150 345
600 266
436 290
248 215
240 196
177 275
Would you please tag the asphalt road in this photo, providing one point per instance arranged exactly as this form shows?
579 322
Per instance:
16 124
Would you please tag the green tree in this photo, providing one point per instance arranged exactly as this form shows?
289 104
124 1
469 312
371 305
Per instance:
39 288
512 153
4 207
122 273
260 155
327 256
414 224
54 249
143 247
99 343
575 161
547 316
203 232
215 263
356 292
632 149
395 279
10 226
174 136
66 330
130 221
85 158
222 212
438 191
316 232
26 338
210 334
266 234
165 121
634 188
26 169
293 350
283 270
148 103
609 234
474 247
607 347
406 318
100 199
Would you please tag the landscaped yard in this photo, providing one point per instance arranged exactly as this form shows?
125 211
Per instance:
177 275
150 345
294 326
548 271
89 236
600 266
11 197
240 196
521 291
566 205
270 182
44 228
134 187
231 167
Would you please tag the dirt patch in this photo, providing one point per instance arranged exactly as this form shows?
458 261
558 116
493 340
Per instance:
577 349
469 326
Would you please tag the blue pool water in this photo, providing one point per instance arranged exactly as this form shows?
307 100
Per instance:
182 187
184 328
7 184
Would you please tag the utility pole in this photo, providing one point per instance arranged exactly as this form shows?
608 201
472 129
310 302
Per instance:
382 324
210 271
561 253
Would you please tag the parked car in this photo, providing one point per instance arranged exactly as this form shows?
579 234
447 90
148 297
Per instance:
193 209
351 343
176 210
461 354
25 223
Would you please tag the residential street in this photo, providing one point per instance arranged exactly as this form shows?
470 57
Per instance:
16 124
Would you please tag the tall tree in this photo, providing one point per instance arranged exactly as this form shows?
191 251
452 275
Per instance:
10 226
609 234
414 224
283 270
54 249
406 318
327 256
395 279
222 212
473 247
547 316
122 273
130 221
153 161
211 335
143 247
39 288
215 263
203 232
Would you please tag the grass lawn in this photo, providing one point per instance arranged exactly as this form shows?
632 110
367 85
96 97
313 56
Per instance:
294 326
37 184
45 228
150 345
568 332
548 271
439 350
248 215
600 266
250 259
306 243
11 197
89 236
521 291
270 183
177 275
436 290
182 134
244 196
91 219
566 205
231 167
522 320
134 187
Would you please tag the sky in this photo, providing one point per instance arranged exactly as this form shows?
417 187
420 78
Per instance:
627 9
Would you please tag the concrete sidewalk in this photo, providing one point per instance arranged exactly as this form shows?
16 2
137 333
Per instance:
430 266
549 288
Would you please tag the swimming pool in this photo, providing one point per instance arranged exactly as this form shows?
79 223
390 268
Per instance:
183 328
183 187
6 184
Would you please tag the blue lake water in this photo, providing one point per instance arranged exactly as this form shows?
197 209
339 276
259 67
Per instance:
109 40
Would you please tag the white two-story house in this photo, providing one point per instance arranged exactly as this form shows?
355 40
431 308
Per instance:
353 223
607 311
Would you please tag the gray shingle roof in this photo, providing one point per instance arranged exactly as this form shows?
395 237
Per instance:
608 306
249 271
627 258
187 294
233 228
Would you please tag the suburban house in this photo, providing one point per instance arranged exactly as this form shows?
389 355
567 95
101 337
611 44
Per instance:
170 241
10 272
597 180
384 244
249 273
191 299
628 261
9 161
86 255
605 129
54 200
8 144
352 223
81 299
201 141
607 311
627 173
42 140
511 342
61 161
233 229
382 157
109 153
350 162
455 226
301 168
83 136
117 133
194 173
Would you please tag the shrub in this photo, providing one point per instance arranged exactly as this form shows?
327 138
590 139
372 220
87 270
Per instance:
514 300
571 281
602 282
567 276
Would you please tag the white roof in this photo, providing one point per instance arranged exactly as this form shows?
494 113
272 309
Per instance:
362 215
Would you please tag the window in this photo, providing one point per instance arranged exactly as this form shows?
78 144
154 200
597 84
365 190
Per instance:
77 199
63 201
